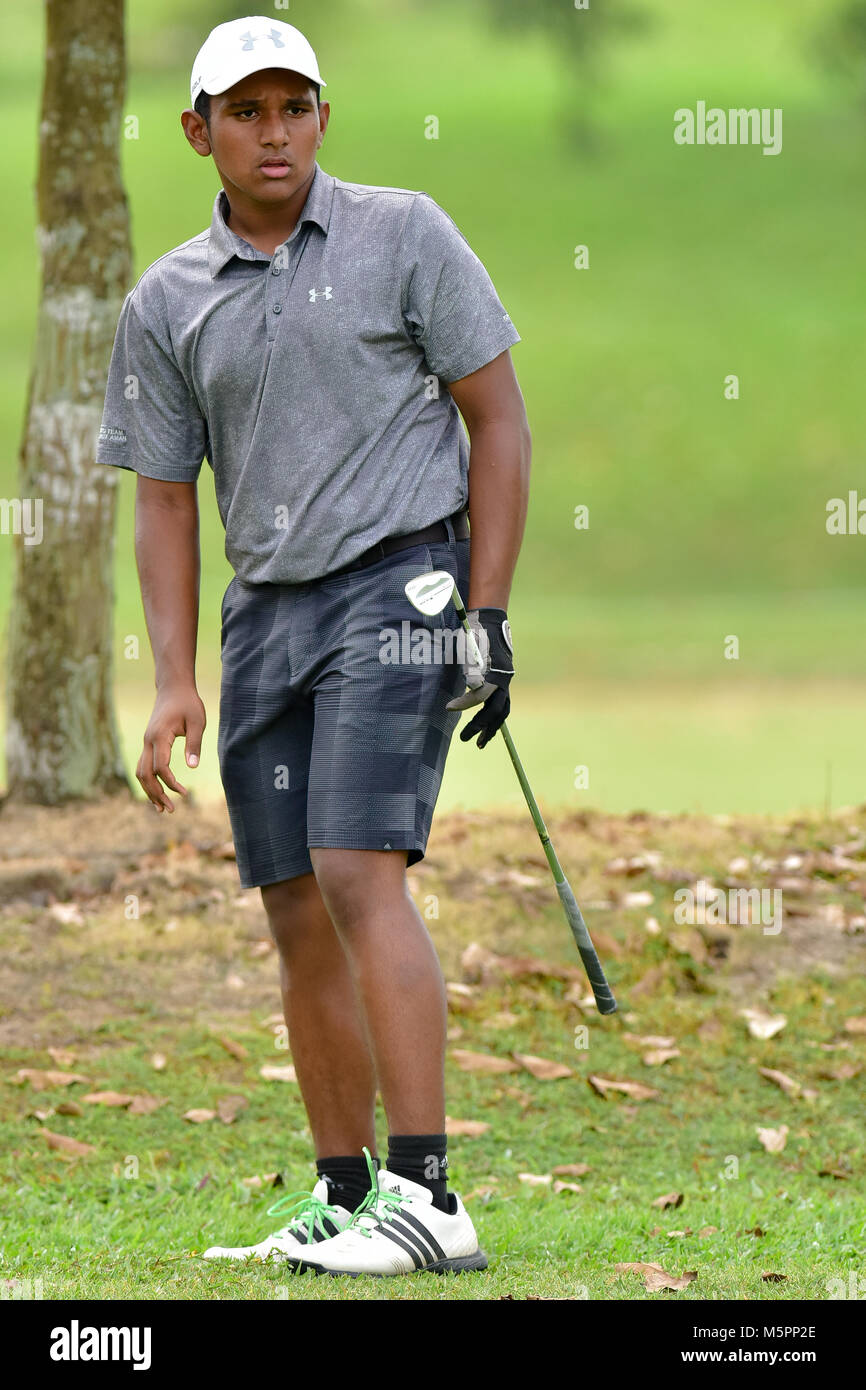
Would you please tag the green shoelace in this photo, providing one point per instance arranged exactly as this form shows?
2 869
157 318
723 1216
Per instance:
307 1206
370 1210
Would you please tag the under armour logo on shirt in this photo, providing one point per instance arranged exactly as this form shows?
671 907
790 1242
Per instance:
249 41
317 294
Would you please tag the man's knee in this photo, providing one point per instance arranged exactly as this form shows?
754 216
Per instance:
295 911
357 882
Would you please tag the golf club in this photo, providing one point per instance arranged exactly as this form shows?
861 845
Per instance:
429 593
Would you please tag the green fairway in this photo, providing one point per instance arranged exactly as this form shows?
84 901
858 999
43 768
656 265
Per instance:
182 1005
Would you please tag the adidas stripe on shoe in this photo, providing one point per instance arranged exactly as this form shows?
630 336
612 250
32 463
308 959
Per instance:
315 1220
397 1230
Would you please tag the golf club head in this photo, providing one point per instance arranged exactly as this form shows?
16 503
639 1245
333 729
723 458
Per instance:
430 592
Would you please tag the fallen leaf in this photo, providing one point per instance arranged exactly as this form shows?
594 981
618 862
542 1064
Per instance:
846 1072
660 1055
199 1117
259 1180
467 1129
261 948
653 1283
485 967
648 982
635 1089
560 1186
113 1099
689 942
273 1073
158 1061
655 1278
541 1068
234 981
679 1234
670 1199
773 1140
648 1040
43 1080
833 1173
523 1098
643 898
61 1056
229 1107
145 1105
65 1144
763 1025
69 1107
235 1048
482 1062
500 1020
67 913
707 1231
203 1182
855 1025
536 1179
770 1278
786 1083
757 1231
570 1170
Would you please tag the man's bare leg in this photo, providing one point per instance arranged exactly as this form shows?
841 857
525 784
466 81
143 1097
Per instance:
394 965
327 1038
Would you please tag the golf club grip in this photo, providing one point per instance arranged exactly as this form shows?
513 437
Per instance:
588 954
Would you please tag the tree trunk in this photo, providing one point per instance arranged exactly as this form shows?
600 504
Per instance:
62 741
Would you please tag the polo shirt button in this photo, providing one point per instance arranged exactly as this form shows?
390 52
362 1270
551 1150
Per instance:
278 308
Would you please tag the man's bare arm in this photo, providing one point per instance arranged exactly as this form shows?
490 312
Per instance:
491 403
168 560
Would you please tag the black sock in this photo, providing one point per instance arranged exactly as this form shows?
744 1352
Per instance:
348 1179
421 1158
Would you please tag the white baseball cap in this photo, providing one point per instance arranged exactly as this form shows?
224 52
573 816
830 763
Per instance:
234 50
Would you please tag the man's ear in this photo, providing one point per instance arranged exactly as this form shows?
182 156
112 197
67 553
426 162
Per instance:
196 131
324 117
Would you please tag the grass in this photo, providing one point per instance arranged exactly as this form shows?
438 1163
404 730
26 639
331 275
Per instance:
131 1219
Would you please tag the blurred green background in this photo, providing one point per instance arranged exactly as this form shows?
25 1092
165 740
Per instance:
707 516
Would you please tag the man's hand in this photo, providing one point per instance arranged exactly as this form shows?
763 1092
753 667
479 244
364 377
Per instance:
178 711
488 682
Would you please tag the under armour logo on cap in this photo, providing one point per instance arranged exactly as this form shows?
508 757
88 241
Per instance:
249 41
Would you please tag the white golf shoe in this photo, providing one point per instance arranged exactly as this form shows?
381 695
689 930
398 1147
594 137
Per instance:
315 1220
397 1230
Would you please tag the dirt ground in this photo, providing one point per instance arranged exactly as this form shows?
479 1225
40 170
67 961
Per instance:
109 909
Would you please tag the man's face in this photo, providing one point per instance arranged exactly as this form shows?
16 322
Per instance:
264 133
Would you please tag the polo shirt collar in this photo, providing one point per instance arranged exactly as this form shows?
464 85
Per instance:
224 243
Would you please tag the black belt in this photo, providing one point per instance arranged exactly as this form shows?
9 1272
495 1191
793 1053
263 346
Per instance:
436 532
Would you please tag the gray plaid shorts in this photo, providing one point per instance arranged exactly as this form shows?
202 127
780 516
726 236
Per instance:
321 742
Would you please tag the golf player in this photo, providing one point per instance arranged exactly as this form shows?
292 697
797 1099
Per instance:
316 344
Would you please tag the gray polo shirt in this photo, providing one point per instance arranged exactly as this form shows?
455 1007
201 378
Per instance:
313 380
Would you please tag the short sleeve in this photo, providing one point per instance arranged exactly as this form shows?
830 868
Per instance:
450 305
151 422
